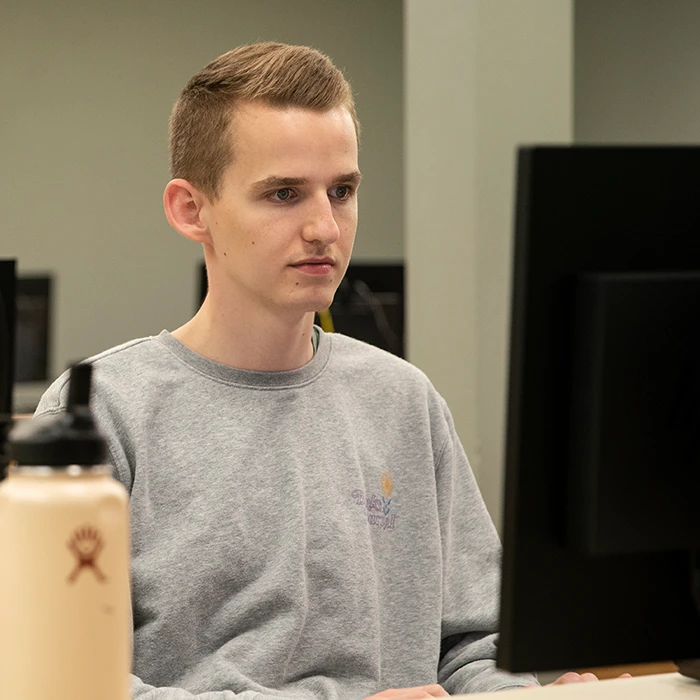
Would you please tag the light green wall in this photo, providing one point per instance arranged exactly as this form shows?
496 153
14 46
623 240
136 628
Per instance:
482 77
86 90
637 76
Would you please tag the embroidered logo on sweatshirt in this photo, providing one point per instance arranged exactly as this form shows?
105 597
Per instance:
378 508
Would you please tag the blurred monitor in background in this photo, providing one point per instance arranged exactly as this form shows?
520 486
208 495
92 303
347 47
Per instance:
369 304
32 341
7 333
33 327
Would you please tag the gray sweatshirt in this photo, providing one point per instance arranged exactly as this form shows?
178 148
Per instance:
314 533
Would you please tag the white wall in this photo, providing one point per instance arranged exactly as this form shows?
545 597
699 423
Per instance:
482 77
87 89
441 202
637 74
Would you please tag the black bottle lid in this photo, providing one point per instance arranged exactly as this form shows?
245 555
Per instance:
65 438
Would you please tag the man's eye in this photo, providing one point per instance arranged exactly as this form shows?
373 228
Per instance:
342 191
282 195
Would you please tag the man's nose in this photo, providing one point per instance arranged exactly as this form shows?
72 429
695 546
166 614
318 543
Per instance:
320 224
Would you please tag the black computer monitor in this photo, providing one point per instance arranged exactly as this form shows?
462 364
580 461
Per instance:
33 328
7 352
602 499
369 304
7 333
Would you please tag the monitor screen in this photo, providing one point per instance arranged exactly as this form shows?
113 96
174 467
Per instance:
33 328
369 304
7 333
602 499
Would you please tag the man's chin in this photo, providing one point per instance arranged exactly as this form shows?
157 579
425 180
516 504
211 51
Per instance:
311 308
316 303
318 308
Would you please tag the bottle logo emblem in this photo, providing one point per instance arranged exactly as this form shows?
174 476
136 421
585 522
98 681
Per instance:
86 545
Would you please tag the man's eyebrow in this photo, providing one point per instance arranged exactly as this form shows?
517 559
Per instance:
352 178
276 181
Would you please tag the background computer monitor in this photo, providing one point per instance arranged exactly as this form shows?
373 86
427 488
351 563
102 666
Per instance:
602 501
7 333
7 352
369 304
33 328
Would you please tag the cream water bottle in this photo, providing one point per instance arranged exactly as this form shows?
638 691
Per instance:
64 561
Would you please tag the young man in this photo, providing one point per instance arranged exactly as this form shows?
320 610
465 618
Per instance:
305 523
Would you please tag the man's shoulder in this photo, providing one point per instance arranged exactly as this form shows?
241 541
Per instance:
386 382
354 352
119 363
367 363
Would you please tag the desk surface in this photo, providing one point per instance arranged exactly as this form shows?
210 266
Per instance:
666 686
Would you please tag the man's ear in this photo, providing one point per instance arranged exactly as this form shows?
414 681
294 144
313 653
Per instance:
183 204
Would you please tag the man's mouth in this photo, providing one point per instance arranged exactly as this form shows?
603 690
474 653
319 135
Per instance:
315 266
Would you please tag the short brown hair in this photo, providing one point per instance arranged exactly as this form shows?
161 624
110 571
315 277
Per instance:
276 74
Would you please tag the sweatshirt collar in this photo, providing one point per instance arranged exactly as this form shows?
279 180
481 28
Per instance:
250 378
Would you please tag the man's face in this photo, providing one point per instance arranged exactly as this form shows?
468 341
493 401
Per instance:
283 227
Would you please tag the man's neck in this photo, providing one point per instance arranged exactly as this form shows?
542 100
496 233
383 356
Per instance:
269 343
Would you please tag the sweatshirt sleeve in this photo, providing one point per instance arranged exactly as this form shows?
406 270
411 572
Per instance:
142 691
471 555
